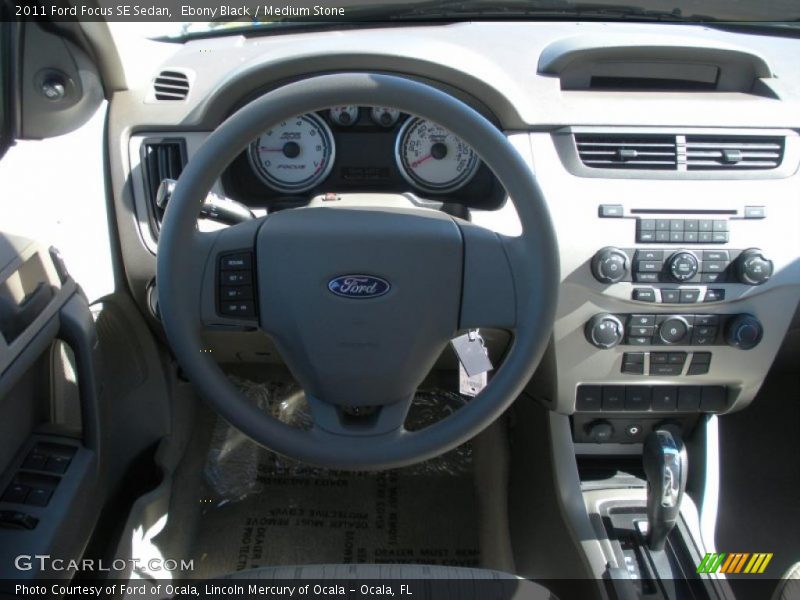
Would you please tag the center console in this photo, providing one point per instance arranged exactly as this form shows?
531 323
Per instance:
677 288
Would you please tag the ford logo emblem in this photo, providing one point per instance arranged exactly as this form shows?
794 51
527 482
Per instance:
359 286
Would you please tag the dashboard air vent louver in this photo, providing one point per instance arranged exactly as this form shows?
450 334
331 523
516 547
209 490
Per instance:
624 151
724 152
171 85
161 158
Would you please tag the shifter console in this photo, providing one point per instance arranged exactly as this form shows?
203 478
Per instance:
665 466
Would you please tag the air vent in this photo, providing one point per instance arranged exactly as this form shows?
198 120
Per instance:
609 151
171 85
723 152
161 158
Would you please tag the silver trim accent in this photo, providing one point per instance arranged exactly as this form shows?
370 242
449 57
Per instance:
564 142
316 179
464 180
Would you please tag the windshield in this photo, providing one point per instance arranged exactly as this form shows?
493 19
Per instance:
204 20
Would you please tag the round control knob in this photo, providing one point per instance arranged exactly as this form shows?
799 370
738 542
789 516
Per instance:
605 331
610 265
683 265
752 268
600 431
744 332
673 330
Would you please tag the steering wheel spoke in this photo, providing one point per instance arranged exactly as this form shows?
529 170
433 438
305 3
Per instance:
489 296
385 420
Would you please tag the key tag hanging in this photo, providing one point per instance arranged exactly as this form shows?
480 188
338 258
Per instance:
473 362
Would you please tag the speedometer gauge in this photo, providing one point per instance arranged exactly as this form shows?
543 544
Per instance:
432 158
294 155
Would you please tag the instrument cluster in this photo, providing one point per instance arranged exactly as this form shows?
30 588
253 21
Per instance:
360 148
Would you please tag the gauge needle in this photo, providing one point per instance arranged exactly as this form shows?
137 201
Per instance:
418 162
263 149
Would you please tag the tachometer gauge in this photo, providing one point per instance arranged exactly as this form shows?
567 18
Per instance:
432 158
344 115
295 155
384 115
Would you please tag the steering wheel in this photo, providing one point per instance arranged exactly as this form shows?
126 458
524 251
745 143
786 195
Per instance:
426 276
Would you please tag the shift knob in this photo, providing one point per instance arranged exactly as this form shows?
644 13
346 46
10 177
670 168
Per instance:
665 465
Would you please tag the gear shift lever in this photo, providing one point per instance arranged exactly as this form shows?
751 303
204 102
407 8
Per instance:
665 465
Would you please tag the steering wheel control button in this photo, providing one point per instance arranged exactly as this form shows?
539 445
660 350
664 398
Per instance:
235 294
744 332
236 262
683 266
604 331
752 268
644 294
638 398
238 309
236 278
610 265
673 330
589 398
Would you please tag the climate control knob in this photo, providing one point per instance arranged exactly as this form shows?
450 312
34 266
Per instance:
744 332
605 331
752 268
610 265
682 266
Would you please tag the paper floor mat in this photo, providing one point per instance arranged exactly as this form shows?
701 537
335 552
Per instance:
348 518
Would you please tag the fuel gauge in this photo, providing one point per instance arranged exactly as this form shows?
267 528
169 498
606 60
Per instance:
344 115
384 115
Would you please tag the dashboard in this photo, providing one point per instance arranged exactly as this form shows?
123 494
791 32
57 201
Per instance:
668 157
355 149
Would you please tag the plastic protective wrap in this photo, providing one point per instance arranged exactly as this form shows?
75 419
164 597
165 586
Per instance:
237 467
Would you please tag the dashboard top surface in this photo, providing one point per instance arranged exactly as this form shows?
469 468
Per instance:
504 65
